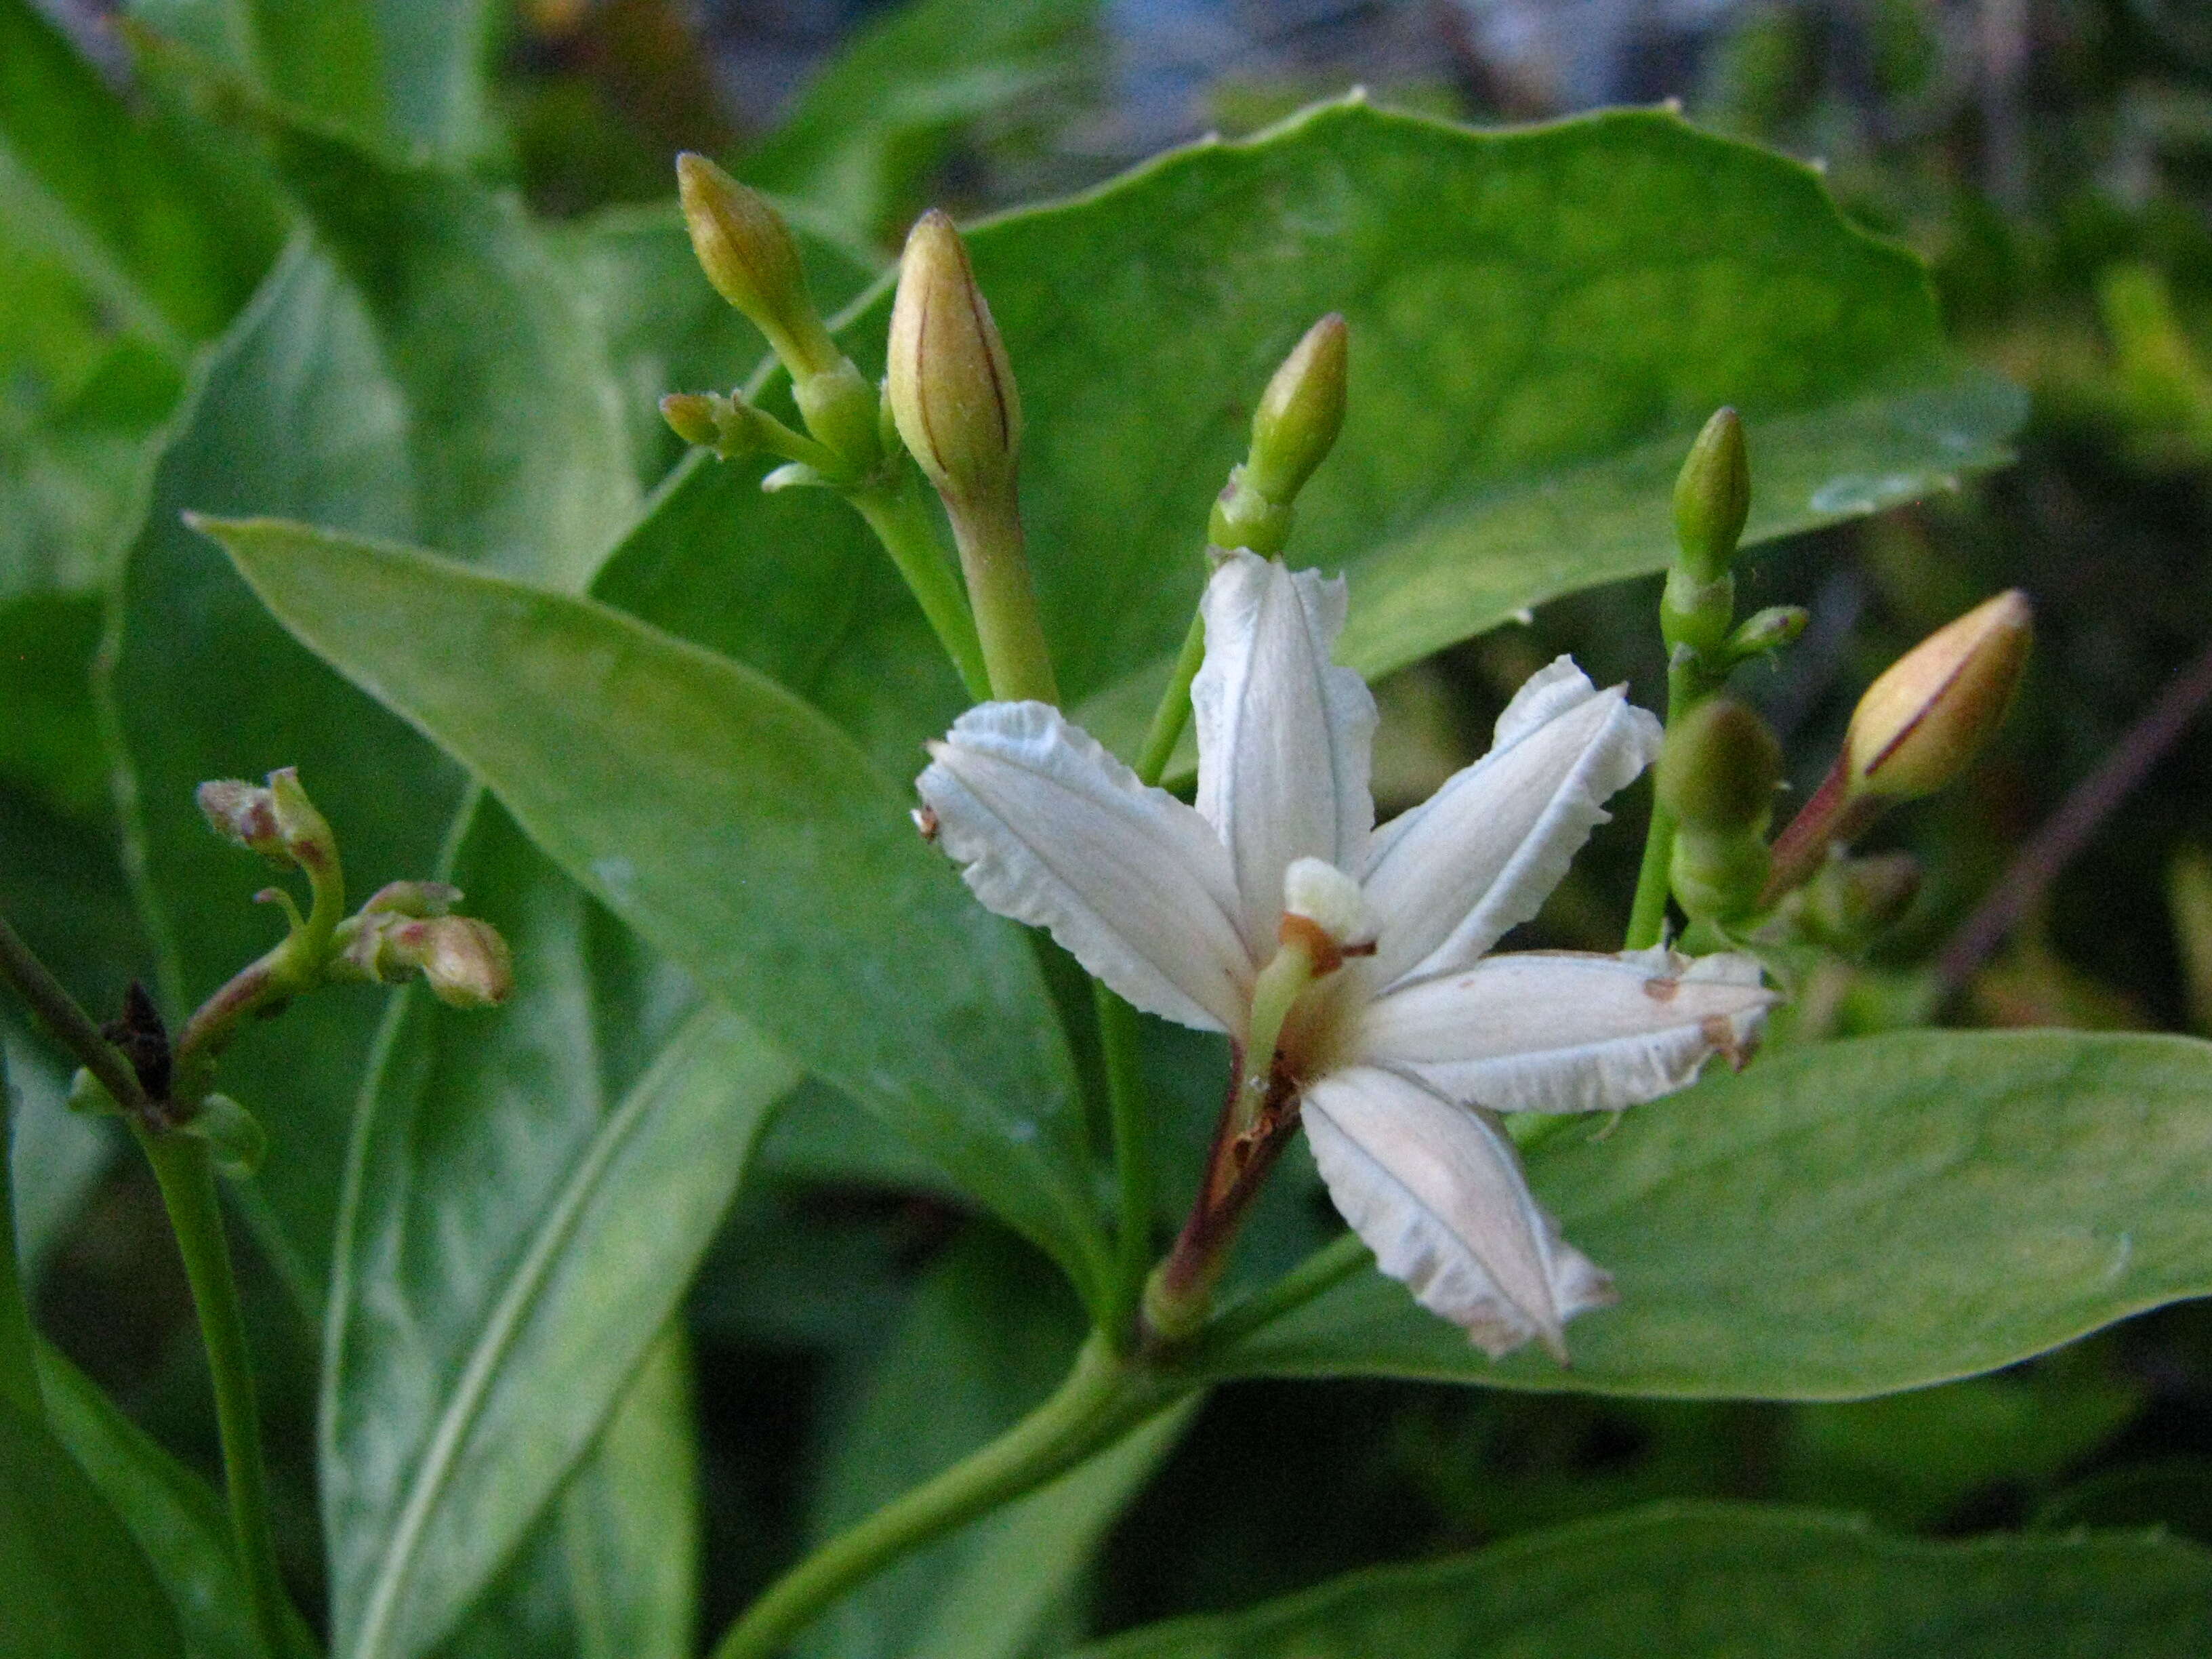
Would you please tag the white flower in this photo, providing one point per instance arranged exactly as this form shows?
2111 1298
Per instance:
1347 964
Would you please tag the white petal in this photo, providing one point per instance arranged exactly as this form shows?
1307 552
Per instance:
1543 1032
1436 1191
1446 880
1056 832
1284 738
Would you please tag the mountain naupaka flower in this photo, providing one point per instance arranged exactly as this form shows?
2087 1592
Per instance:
1349 966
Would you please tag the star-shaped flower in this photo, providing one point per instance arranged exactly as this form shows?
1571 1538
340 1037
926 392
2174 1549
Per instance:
1348 964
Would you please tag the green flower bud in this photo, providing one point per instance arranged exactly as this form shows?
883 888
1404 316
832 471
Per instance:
307 834
1770 630
412 898
1850 901
1712 497
1719 768
748 254
1293 429
1919 724
1717 775
951 389
234 1136
1301 412
691 415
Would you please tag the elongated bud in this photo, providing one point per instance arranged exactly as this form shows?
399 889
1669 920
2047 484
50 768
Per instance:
1712 497
244 814
1717 775
951 389
1301 412
1919 724
307 835
748 254
1293 429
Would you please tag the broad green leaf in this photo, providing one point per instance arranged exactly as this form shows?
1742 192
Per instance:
611 1570
436 61
1846 1219
495 1290
1715 1582
438 379
989 1334
72 1582
175 1516
49 744
1541 319
323 59
58 1153
735 829
19 1372
875 123
513 425
119 195
666 327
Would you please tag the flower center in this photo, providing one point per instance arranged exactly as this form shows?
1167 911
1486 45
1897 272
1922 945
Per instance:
1324 921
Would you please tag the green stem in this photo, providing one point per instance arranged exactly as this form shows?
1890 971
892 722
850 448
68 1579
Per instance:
182 1166
1174 712
1102 1399
995 561
896 515
31 980
1327 1267
1688 685
1133 1162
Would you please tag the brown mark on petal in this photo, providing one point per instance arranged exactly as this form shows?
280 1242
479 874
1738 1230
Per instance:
926 821
1661 990
1325 954
1719 1034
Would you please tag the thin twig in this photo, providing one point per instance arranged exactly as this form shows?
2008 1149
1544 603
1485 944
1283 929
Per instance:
2068 831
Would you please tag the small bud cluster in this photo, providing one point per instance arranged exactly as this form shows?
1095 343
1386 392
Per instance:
1717 775
748 253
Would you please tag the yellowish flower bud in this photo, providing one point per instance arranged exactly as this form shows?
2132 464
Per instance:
748 254
307 835
1712 497
1920 724
464 960
691 415
951 387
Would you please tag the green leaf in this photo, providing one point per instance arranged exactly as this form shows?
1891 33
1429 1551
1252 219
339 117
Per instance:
175 1516
1704 1582
611 1570
1845 1219
120 195
58 1153
74 1584
50 743
445 385
19 1372
876 122
513 425
322 58
1541 320
495 1290
735 829
988 1335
